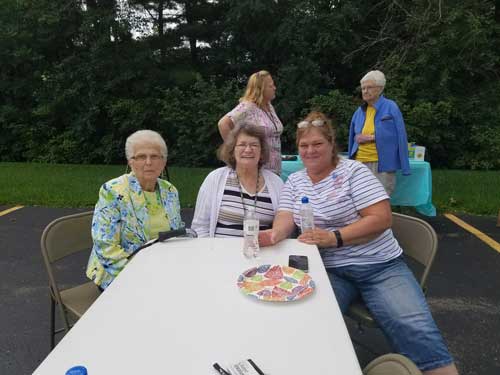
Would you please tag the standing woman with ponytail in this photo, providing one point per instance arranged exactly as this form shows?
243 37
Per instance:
255 107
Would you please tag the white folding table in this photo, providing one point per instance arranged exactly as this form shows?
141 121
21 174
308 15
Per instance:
176 309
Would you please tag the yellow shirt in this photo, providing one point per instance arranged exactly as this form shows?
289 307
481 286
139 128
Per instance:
158 221
367 152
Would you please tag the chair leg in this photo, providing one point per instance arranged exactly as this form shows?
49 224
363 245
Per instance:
361 330
65 319
52 323
366 347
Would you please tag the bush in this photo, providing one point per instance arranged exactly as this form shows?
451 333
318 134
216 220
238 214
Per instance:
188 119
340 107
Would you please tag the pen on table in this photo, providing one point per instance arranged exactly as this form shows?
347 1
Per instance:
220 370
254 365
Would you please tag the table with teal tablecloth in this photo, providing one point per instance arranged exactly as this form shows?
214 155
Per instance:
414 190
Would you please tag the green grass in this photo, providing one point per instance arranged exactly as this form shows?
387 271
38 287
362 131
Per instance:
473 192
67 185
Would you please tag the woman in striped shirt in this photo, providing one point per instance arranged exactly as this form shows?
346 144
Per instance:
352 218
227 192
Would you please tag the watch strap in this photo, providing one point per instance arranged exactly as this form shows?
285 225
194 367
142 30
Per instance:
338 236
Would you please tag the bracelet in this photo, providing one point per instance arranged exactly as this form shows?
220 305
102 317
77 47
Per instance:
338 236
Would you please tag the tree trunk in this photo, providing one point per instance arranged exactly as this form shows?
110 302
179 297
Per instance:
161 30
107 14
192 39
497 11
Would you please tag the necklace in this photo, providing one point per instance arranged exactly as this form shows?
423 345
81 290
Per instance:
241 192
270 116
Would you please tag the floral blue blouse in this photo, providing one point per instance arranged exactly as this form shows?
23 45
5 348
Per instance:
120 224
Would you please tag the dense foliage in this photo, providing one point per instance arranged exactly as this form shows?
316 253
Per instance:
77 77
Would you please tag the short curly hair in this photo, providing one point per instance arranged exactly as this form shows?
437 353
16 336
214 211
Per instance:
225 152
376 76
145 136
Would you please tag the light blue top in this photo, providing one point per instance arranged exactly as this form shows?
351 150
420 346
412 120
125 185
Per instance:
337 201
414 190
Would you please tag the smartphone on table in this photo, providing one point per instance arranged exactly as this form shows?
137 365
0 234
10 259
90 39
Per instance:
300 262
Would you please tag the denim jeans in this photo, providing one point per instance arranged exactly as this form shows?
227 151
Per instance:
397 303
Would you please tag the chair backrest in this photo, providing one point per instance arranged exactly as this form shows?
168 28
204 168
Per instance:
418 240
62 237
67 235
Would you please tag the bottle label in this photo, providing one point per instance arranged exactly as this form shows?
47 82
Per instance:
250 226
306 220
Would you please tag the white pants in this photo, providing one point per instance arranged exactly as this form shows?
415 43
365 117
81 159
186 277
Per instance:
388 179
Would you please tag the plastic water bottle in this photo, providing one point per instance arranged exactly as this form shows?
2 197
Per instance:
250 234
306 215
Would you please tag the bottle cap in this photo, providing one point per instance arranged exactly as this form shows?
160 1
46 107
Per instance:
305 200
77 370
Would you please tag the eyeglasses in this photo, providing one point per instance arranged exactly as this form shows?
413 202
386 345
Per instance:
253 146
143 157
305 124
368 88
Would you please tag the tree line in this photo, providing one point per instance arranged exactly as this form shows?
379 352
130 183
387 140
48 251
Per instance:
78 76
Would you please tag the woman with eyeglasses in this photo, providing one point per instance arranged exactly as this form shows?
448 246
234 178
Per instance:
133 208
352 221
377 135
255 107
228 192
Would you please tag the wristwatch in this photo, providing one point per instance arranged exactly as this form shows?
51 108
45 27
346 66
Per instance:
338 236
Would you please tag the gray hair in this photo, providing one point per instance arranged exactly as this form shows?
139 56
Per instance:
375 75
145 136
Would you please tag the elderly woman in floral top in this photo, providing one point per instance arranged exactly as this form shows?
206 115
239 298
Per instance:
255 107
132 208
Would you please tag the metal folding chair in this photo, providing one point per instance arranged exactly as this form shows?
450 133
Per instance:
419 242
391 364
63 237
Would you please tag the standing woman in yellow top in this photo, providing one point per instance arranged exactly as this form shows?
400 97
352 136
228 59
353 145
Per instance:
377 136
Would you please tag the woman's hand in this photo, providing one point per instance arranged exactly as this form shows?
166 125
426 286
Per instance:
283 226
364 138
267 238
319 237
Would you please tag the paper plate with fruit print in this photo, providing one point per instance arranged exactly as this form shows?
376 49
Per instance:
271 282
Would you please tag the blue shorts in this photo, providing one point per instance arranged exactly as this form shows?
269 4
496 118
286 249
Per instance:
397 303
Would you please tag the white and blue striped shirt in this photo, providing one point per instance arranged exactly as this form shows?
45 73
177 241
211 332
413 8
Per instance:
336 201
232 212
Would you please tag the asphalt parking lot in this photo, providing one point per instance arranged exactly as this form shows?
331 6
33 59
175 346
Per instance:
463 292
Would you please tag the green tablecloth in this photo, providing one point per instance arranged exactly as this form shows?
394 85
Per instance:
414 190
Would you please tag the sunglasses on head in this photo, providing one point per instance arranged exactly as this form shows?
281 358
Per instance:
305 124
